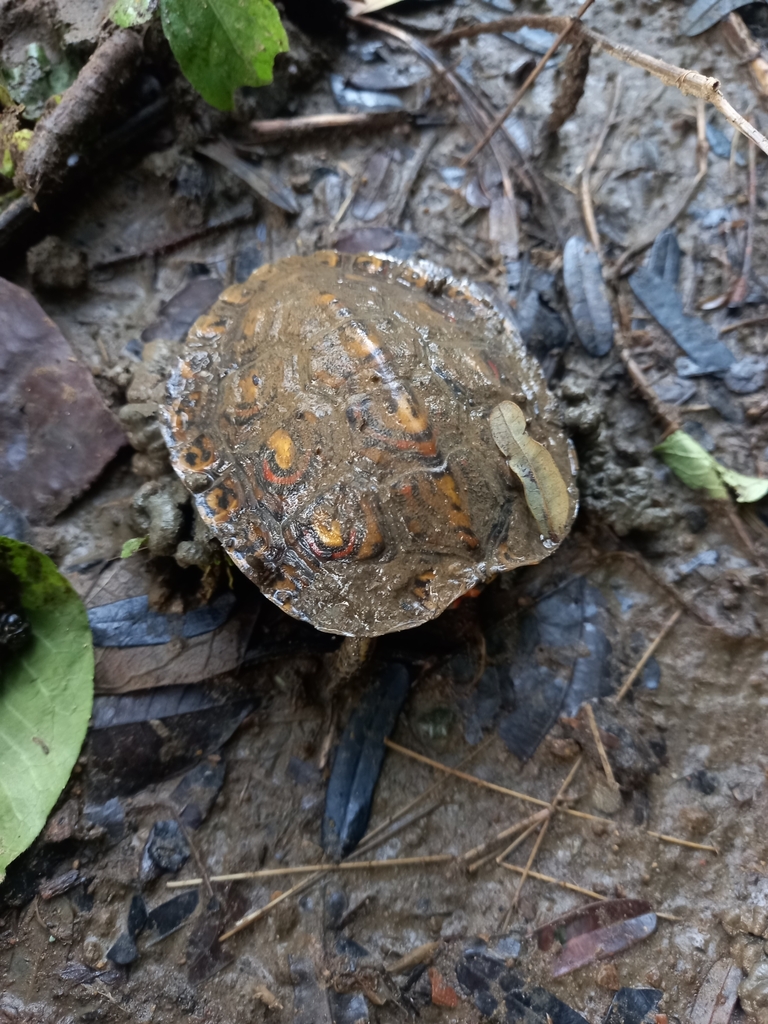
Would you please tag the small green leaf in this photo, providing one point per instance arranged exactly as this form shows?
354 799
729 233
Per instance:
700 471
45 697
223 44
132 546
128 13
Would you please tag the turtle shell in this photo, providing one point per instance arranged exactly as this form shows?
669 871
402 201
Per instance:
331 417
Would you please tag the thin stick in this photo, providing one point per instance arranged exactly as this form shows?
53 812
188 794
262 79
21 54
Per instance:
626 686
599 744
307 869
517 842
690 83
288 127
502 117
480 851
540 838
587 205
751 321
683 842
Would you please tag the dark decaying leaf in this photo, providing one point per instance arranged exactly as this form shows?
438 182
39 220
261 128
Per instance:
366 240
178 314
371 196
664 257
197 791
587 918
634 1006
561 659
703 14
717 996
358 760
696 338
539 311
746 375
123 950
170 916
383 76
353 100
587 296
205 954
603 942
124 758
132 623
263 184
56 434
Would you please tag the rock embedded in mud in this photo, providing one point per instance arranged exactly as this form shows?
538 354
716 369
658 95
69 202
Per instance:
753 992
55 265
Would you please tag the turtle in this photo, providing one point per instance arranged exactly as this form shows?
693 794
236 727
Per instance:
368 438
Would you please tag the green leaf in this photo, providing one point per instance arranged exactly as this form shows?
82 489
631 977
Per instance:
127 13
223 44
46 693
132 546
699 470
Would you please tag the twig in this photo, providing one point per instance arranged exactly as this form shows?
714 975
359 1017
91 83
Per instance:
688 82
517 842
412 172
589 711
683 842
490 785
540 838
278 128
626 686
740 289
307 869
751 321
502 117
576 888
485 848
587 205
419 955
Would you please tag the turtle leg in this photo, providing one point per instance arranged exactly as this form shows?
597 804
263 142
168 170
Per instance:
340 668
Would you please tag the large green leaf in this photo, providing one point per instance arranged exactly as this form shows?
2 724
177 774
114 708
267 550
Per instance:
699 470
46 693
223 44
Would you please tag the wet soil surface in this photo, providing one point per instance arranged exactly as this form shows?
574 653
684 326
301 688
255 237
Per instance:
501 678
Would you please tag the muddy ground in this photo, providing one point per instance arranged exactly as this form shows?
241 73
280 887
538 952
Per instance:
643 545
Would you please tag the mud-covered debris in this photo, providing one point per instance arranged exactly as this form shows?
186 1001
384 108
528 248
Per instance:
587 918
351 99
703 14
633 759
504 227
587 296
55 265
538 312
310 999
664 257
674 390
573 76
56 434
166 849
205 954
561 659
177 315
197 791
634 1006
267 186
367 240
109 816
747 375
170 916
349 1008
720 145
13 522
696 338
358 760
602 942
371 197
132 623
719 991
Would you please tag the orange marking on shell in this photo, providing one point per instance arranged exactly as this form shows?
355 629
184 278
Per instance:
327 257
236 295
222 501
373 542
198 455
211 328
371 264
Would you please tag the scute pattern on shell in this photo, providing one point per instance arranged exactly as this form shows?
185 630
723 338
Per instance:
330 415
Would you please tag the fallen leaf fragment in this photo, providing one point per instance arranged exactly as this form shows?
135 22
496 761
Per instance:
718 993
420 955
443 994
588 918
546 492
697 469
602 943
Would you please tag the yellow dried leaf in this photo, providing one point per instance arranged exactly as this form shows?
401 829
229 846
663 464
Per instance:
546 492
